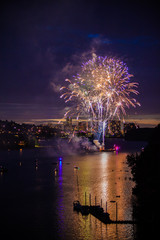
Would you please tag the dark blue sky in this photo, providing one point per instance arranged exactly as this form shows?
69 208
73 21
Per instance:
44 42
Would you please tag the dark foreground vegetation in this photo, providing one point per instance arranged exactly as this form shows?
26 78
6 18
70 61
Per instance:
145 169
139 134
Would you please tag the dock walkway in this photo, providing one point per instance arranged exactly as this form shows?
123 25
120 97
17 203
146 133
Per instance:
99 213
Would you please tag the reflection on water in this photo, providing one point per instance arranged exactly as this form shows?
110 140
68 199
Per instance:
60 203
106 176
38 202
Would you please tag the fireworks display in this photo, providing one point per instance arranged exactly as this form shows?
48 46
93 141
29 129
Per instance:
102 90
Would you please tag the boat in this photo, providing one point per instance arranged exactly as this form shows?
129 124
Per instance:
114 149
108 150
96 211
84 209
76 205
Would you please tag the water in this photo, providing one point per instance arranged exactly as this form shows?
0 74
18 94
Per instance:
36 202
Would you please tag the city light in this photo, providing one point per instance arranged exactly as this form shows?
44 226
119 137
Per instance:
60 159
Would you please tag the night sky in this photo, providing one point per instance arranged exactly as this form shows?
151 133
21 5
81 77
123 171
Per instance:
44 42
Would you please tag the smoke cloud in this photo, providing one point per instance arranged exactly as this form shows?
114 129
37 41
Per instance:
73 146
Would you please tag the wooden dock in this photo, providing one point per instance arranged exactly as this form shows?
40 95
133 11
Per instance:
98 212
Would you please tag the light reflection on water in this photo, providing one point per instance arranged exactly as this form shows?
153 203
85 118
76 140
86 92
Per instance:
106 176
42 200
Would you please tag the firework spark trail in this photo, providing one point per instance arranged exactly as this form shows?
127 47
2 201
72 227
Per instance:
101 90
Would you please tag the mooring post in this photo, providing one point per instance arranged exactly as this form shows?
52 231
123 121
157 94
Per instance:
90 199
116 211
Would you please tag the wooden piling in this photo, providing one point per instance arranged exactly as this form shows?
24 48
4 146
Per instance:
90 199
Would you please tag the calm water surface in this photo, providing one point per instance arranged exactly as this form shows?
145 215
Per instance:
36 202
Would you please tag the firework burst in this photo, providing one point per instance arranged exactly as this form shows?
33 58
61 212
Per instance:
102 90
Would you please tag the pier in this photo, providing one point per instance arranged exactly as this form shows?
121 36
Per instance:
98 212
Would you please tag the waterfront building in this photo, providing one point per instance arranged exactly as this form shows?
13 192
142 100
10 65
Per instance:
114 128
